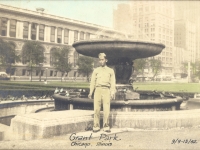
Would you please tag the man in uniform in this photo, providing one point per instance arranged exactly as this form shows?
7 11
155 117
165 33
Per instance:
103 82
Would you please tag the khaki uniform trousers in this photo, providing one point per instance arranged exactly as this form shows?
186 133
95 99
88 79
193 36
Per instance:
101 95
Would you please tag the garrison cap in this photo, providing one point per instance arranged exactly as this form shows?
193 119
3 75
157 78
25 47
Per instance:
102 55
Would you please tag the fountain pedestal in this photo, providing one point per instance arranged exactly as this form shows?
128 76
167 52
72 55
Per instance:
49 124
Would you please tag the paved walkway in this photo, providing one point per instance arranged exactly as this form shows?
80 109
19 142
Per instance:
117 139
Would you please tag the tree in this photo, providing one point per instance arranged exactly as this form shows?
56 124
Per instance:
198 69
61 63
32 54
156 66
8 56
85 65
139 65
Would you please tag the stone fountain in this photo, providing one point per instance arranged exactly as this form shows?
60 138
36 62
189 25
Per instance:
120 55
74 111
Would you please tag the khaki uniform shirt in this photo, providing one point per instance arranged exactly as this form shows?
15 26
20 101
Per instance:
103 77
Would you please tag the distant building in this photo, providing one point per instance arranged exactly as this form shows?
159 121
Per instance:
181 56
153 21
190 10
19 25
185 37
122 18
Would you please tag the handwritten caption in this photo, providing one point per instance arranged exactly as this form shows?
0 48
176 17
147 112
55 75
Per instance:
103 140
185 141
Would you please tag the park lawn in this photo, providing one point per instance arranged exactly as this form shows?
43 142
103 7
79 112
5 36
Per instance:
142 86
168 87
39 85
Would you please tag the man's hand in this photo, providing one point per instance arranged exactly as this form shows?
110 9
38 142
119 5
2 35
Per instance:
90 96
112 95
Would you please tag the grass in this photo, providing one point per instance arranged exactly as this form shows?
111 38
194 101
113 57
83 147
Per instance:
170 87
41 85
144 86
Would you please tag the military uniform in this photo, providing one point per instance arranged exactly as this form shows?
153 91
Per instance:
103 82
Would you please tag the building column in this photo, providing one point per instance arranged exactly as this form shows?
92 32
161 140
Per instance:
84 37
56 34
62 35
37 32
78 36
71 37
29 31
8 28
47 33
17 29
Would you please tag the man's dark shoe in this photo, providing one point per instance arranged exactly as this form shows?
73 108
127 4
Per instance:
107 131
96 131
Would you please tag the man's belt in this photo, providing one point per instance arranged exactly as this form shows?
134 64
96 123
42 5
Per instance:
102 86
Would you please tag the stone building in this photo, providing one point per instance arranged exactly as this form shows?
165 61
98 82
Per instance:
19 25
185 37
153 21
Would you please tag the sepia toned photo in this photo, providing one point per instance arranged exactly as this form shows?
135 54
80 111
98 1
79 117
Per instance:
102 74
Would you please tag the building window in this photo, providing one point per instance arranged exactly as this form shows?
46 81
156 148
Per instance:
75 36
3 26
75 58
52 34
87 36
59 35
51 73
25 30
52 59
24 72
13 28
55 73
41 32
81 35
66 36
42 72
33 31
152 8
37 72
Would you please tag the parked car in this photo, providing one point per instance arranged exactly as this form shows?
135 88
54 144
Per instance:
4 76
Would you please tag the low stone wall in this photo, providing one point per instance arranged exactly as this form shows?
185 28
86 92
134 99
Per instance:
49 124
8 109
193 103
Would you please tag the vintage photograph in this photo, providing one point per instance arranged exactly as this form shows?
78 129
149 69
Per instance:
101 74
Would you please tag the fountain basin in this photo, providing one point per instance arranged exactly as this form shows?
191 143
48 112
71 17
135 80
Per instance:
120 53
63 102
116 49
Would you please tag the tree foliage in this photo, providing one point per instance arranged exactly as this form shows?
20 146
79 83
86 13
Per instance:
61 63
156 66
8 55
139 65
184 66
85 65
32 55
194 68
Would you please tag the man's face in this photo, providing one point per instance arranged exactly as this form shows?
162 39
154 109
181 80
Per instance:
102 62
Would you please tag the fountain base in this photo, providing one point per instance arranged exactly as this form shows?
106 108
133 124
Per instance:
49 124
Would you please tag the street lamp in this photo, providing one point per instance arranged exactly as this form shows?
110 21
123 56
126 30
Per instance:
46 74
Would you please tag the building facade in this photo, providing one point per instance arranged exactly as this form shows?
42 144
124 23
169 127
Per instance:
189 11
185 37
121 18
19 25
154 21
181 56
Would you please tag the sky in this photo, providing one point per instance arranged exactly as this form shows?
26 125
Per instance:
98 12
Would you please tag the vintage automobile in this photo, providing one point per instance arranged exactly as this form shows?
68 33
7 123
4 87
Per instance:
4 76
